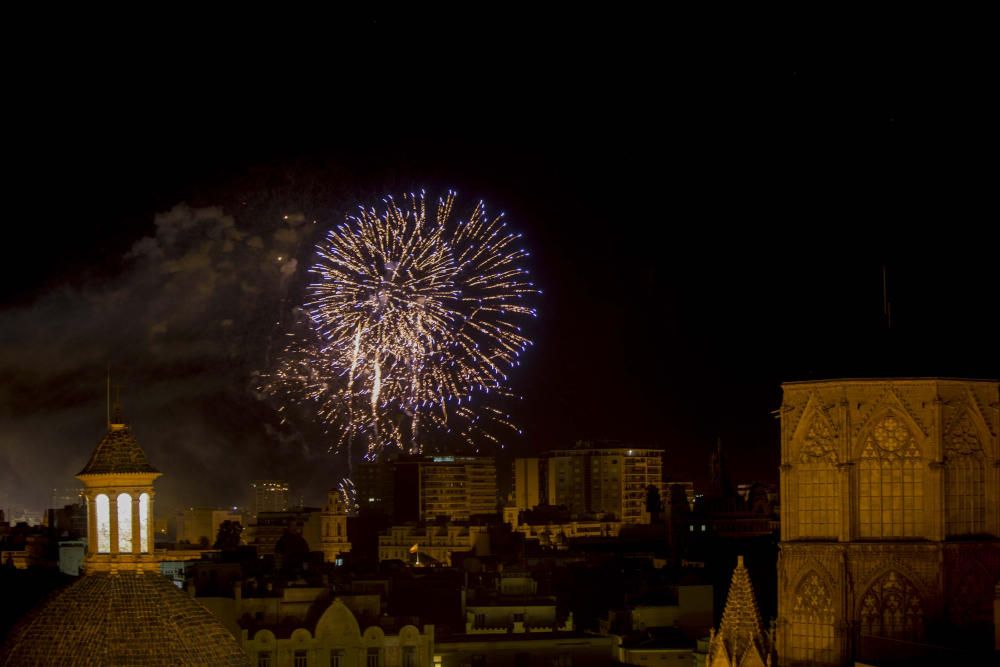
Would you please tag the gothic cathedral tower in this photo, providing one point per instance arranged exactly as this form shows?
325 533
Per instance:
890 517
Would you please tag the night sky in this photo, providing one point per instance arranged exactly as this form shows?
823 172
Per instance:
704 228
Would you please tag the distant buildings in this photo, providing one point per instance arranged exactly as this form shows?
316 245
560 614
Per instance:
268 495
425 488
432 543
607 480
200 525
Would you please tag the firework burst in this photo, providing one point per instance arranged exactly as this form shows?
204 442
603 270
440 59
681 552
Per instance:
413 322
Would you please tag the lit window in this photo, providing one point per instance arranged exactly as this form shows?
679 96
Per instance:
965 498
818 490
811 633
125 523
103 524
891 482
144 545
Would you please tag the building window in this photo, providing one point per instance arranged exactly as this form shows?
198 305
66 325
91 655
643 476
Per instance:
819 506
891 608
891 482
264 659
300 659
125 523
337 658
409 656
480 621
811 632
103 507
964 480
144 545
374 658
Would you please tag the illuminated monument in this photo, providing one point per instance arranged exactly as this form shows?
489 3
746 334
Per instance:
890 518
741 640
118 488
123 611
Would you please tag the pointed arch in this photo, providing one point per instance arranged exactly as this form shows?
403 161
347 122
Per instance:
816 479
890 478
892 607
964 476
811 633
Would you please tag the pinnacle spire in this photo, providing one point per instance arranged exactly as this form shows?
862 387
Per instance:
741 636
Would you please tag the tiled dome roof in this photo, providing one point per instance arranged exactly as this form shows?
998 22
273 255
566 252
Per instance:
121 619
117 452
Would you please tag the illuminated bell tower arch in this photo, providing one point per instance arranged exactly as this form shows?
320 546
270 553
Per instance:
118 488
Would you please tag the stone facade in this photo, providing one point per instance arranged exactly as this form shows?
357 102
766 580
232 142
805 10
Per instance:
334 540
339 642
741 640
890 515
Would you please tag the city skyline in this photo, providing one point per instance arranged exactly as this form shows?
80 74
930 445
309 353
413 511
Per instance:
688 267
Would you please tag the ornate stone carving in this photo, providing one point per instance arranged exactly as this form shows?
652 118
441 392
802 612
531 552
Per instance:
890 440
892 608
963 437
819 443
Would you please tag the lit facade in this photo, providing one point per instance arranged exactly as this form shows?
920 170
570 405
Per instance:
118 490
438 542
200 524
338 641
333 526
605 480
890 516
268 495
527 492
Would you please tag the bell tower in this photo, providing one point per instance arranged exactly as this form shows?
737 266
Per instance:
118 488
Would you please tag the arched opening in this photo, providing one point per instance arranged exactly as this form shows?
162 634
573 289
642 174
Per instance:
103 506
892 608
964 479
891 493
125 523
819 505
811 632
144 544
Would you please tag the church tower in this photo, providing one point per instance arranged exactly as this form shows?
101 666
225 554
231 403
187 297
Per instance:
741 640
118 488
890 518
334 526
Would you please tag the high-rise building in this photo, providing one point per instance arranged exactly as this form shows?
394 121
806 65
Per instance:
890 518
609 480
422 488
268 495
527 480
